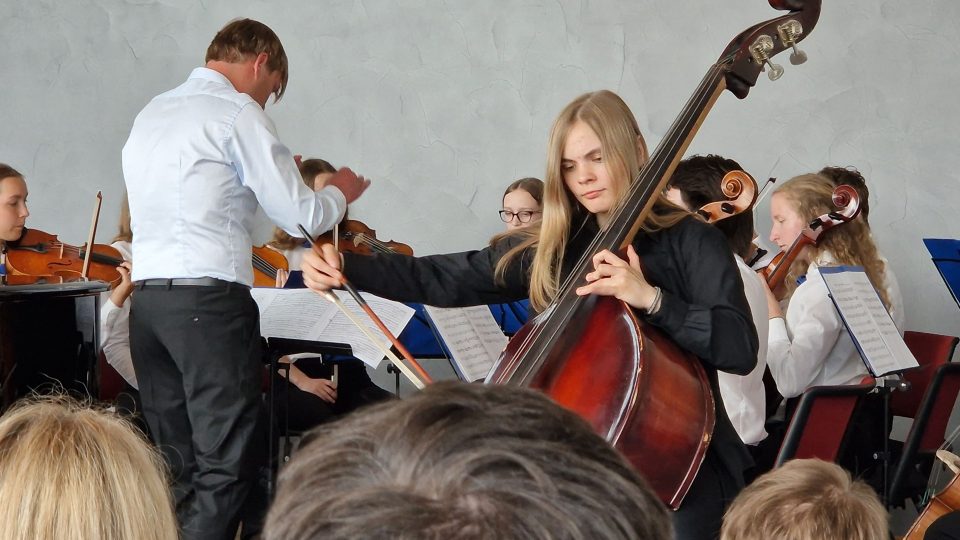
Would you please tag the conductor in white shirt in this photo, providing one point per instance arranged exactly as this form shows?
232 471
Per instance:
199 160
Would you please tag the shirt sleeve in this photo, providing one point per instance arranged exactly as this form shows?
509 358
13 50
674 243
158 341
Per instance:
115 339
267 167
815 327
450 280
713 319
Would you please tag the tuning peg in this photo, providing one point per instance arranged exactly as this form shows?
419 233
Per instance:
789 32
776 71
760 50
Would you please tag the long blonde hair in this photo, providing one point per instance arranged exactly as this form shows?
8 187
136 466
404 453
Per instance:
624 153
68 471
811 195
124 232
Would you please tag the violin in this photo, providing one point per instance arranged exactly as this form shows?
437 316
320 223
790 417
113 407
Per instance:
44 256
267 263
355 237
847 201
740 190
650 399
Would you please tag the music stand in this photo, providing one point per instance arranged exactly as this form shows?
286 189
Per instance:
946 257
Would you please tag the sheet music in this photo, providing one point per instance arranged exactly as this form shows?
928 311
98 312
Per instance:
303 314
472 336
873 331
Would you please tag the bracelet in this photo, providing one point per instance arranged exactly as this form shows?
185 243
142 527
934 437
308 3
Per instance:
655 305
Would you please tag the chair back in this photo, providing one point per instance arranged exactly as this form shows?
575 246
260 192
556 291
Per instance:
931 352
111 383
928 431
821 421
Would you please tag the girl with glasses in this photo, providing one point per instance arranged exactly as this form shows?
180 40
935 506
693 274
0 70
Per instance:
522 203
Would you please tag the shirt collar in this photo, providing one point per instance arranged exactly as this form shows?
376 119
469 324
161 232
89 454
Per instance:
210 75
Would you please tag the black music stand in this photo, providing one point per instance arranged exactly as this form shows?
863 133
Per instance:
276 348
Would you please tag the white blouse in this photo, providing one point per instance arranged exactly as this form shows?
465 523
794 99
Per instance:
115 328
811 347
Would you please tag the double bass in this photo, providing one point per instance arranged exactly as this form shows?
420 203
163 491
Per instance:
651 400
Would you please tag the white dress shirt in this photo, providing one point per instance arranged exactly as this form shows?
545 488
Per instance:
198 161
115 329
811 347
743 395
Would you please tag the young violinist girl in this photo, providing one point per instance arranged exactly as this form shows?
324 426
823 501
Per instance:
13 212
13 198
595 151
808 344
315 173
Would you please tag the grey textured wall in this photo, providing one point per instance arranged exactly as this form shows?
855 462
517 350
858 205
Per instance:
444 103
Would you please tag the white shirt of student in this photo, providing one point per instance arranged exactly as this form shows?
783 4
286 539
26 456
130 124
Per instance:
811 347
743 395
115 329
198 161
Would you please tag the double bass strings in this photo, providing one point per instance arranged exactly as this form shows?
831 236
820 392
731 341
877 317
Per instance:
646 181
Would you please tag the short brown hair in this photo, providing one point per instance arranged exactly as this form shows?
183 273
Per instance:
468 461
806 499
243 38
7 171
698 179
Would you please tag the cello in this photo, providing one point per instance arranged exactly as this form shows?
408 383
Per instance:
593 355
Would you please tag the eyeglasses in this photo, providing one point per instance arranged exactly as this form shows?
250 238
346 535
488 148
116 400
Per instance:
524 215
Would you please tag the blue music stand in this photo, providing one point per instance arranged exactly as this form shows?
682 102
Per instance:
946 257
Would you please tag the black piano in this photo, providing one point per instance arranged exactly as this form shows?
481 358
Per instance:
49 339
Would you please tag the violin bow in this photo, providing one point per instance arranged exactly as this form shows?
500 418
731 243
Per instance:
92 235
419 379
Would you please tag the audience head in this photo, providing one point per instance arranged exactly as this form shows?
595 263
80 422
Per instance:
696 182
248 41
466 461
806 499
13 203
68 471
522 202
851 177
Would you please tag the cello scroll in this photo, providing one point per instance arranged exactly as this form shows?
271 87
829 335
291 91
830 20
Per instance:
740 190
